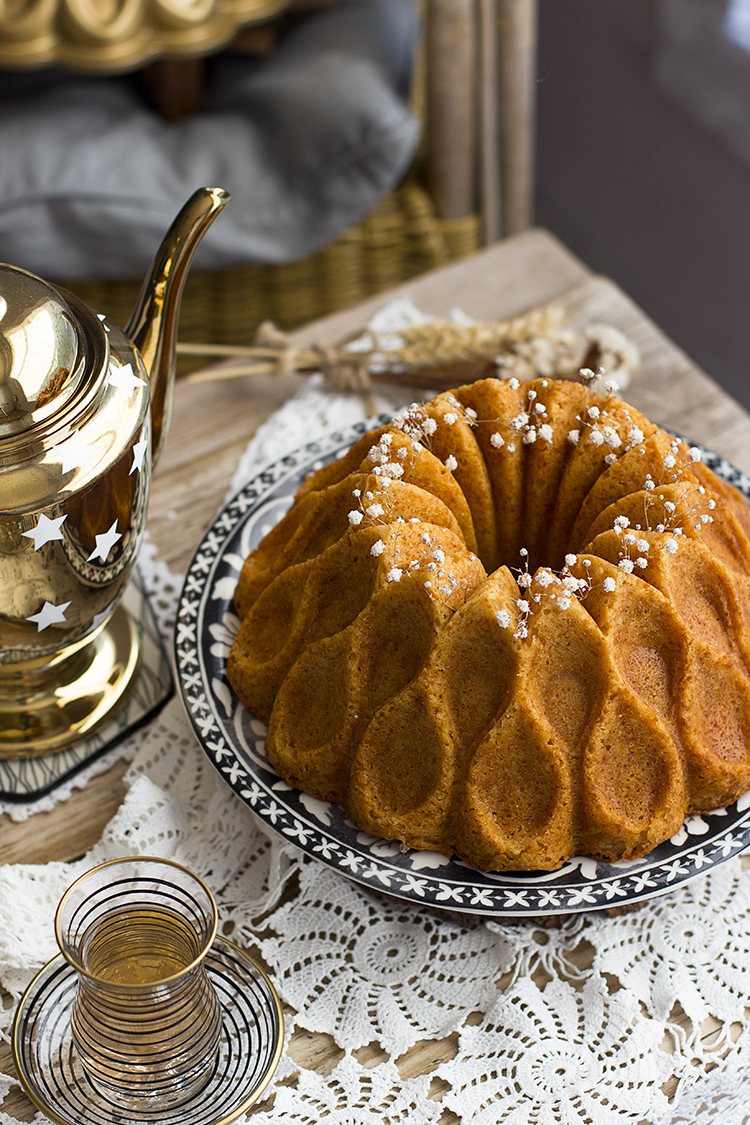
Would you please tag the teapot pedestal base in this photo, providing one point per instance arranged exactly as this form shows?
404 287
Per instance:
47 707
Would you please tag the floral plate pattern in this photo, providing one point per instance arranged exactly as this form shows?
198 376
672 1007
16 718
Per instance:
233 739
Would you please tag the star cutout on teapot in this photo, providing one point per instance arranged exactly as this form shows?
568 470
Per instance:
125 379
104 543
75 453
100 618
46 531
139 452
49 614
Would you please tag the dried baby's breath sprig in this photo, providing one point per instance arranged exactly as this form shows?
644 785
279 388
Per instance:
545 586
441 583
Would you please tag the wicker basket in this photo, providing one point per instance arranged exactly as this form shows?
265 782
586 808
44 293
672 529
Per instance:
401 238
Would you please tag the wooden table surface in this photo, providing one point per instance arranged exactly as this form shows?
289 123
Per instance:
212 424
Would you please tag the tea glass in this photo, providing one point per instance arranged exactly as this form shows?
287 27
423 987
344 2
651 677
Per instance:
146 1019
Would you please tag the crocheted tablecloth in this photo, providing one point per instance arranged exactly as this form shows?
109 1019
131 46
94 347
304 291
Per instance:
641 1018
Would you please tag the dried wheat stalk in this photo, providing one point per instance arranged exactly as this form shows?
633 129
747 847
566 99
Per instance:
436 354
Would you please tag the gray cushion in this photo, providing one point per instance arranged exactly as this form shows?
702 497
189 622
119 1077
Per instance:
306 140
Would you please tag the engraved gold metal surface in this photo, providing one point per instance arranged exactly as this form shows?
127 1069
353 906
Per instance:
84 408
117 35
47 705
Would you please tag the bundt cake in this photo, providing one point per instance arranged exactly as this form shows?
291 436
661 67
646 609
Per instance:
512 625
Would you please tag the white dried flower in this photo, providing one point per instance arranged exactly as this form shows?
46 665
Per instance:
375 510
503 618
394 575
377 548
513 384
669 461
439 556
521 419
545 432
530 436
523 605
622 522
571 560
544 578
626 565
451 463
610 459
611 437
596 437
429 426
450 418
574 436
642 545
635 437
593 412
609 585
355 517
670 546
497 440
695 453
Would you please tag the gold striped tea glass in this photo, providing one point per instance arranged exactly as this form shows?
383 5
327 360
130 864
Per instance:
146 1019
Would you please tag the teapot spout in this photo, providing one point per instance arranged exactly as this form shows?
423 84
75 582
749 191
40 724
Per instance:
152 327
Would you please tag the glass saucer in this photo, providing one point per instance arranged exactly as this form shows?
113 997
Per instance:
250 1049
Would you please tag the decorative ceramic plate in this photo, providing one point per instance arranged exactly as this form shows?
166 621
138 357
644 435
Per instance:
234 741
249 1050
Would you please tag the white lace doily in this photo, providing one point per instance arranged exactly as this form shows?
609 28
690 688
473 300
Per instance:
639 1019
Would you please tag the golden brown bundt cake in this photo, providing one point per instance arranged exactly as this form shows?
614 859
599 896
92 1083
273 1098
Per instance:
512 625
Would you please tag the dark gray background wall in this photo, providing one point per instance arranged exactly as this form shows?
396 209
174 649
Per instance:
639 190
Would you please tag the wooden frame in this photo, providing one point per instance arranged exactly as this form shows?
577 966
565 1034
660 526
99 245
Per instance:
480 70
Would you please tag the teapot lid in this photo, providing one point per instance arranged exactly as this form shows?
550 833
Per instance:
42 356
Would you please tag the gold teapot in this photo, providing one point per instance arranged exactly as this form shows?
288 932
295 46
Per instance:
84 409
